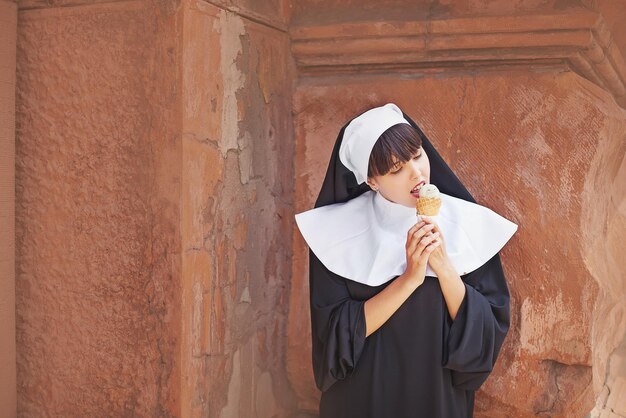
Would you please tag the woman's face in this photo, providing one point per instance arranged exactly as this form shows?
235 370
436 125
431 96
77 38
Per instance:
397 184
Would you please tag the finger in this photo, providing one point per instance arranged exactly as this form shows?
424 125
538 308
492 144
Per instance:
411 238
414 240
415 227
434 226
421 234
437 231
429 220
425 255
424 242
425 229
432 247
434 244
430 238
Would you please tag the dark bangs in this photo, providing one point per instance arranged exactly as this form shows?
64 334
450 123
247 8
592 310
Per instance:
402 141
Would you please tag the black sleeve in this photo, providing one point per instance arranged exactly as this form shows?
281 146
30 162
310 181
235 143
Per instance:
337 325
473 340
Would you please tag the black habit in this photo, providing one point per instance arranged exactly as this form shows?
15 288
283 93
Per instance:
420 363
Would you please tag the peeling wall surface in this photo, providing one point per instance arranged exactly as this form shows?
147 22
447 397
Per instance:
237 214
162 148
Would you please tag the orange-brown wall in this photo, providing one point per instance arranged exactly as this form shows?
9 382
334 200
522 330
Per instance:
98 160
162 148
326 11
535 132
8 24
155 175
544 151
237 209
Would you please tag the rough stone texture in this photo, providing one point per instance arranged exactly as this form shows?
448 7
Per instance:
8 30
273 13
155 201
545 150
98 208
237 211
577 39
154 193
333 11
612 400
547 130
614 12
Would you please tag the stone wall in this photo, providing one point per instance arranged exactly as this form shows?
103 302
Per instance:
162 148
507 143
237 210
154 205
98 209
8 24
526 103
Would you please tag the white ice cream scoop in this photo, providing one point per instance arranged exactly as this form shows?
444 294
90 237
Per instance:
429 190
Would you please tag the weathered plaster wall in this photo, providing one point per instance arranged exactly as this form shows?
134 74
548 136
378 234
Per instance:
98 160
237 211
154 230
8 31
538 87
542 149
155 180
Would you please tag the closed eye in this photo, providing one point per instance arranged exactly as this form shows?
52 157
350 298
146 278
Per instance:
415 158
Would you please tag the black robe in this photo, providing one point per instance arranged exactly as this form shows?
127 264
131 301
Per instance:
419 363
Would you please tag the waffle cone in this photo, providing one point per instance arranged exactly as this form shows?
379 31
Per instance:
428 206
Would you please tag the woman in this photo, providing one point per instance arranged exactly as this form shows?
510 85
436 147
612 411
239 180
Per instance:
407 316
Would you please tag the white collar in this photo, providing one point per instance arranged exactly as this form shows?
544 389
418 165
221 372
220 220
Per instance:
364 238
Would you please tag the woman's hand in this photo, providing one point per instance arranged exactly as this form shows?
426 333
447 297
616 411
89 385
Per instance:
438 258
420 244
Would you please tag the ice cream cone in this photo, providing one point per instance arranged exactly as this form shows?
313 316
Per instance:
428 206
429 202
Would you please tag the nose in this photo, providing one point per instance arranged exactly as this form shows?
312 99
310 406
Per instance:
415 168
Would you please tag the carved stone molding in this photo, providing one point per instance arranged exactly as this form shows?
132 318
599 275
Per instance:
580 41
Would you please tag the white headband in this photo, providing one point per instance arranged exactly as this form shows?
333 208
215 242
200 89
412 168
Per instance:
362 133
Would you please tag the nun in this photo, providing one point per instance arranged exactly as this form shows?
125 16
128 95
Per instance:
408 312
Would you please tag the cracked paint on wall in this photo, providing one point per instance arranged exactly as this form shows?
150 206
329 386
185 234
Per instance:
236 213
230 27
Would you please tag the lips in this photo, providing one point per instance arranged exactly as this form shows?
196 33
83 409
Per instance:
417 187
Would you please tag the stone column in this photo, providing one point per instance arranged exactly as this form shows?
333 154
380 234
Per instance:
8 30
237 185
155 176
98 209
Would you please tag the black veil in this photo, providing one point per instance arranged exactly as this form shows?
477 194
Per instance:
340 183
